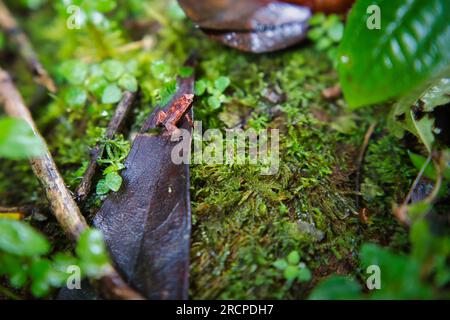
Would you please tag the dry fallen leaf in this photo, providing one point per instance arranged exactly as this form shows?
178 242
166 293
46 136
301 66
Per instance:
257 25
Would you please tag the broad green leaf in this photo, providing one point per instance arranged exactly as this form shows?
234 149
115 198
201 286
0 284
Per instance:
92 253
12 266
400 274
412 46
17 140
336 287
20 239
111 94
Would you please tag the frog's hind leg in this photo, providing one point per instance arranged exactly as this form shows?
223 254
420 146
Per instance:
189 119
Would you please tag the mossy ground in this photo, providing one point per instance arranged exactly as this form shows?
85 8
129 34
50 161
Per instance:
242 221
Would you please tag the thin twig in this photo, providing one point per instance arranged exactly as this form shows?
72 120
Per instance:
122 110
360 160
16 34
9 294
416 181
61 202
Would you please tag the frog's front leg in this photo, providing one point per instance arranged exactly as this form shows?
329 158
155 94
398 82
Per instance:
160 118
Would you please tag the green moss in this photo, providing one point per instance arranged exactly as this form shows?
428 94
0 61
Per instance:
242 221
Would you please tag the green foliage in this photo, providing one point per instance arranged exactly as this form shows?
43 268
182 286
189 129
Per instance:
335 288
114 155
402 276
2 40
326 32
111 94
292 268
429 171
212 93
21 239
92 253
17 140
413 42
243 222
74 71
24 258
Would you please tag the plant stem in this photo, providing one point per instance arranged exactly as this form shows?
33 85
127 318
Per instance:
9 294
122 110
16 34
61 202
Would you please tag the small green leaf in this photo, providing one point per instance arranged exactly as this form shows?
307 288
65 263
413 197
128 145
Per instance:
293 258
92 252
324 43
19 238
159 69
199 87
291 272
304 274
97 85
186 72
280 264
113 69
214 102
128 82
113 180
317 19
222 83
336 31
102 188
283 209
410 48
75 97
111 94
17 140
74 71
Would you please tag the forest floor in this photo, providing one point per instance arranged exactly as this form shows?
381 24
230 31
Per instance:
243 222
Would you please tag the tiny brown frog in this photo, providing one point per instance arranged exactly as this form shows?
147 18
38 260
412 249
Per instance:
172 116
